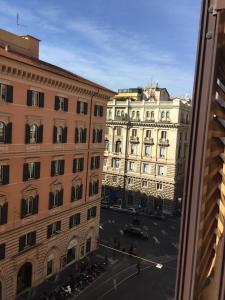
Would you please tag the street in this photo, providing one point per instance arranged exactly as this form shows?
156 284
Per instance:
121 280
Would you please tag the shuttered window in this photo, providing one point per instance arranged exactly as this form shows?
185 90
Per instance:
3 213
6 93
82 107
74 220
95 162
98 110
5 133
57 167
91 212
4 174
29 206
31 171
80 135
2 251
35 98
78 164
53 229
61 103
27 240
76 192
55 199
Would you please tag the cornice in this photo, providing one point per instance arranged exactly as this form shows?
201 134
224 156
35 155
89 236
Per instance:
144 124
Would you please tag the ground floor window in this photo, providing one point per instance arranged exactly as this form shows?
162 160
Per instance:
88 245
82 251
24 277
50 267
71 254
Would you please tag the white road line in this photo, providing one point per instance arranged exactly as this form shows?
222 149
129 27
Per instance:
175 245
156 240
163 232
156 224
145 227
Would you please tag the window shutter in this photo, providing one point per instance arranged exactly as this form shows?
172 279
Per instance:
101 111
53 168
95 210
4 213
40 134
56 103
22 242
97 186
85 135
5 174
25 172
33 238
82 164
76 135
62 166
93 136
98 162
35 204
60 197
8 139
64 135
78 107
49 231
58 225
54 134
27 134
41 99
90 188
81 191
100 136
65 104
92 163
72 193
51 200
88 214
29 98
71 222
78 218
74 165
2 251
37 169
85 108
95 110
9 93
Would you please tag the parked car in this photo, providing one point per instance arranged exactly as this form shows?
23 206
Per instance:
105 204
131 210
136 231
117 207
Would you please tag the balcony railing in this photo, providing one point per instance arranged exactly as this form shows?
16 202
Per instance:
163 142
134 139
149 119
148 140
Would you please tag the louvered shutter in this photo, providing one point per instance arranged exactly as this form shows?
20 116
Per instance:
94 211
62 166
92 163
51 200
41 99
35 205
8 139
53 168
97 186
56 103
5 174
54 134
98 162
27 134
64 135
72 193
4 213
88 214
80 191
82 164
66 104
85 108
90 188
78 107
76 135
29 98
2 251
58 225
22 242
100 136
71 222
9 93
37 169
93 136
101 111
25 172
74 165
49 231
85 135
33 238
60 202
40 134
95 110
78 218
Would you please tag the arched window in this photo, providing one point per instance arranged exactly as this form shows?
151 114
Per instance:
118 113
147 114
24 277
133 114
122 113
107 145
138 114
2 132
33 133
50 265
71 251
167 114
152 115
162 114
118 147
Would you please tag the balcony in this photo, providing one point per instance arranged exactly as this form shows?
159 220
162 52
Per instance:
150 120
121 118
134 139
165 120
163 142
148 140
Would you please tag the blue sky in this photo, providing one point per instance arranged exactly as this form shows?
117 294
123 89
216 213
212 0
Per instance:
117 43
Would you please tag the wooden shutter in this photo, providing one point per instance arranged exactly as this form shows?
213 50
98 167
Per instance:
29 98
4 214
98 162
85 108
9 93
23 208
41 99
95 110
57 103
33 238
76 135
90 188
25 172
72 193
85 135
74 165
65 104
5 174
2 251
62 166
53 168
27 134
94 211
97 183
51 200
80 191
58 225
22 242
35 204
8 139
60 202
64 135
37 167
54 134
40 134
71 222
93 136
78 107
101 111
92 163
100 136
88 214
82 164
49 231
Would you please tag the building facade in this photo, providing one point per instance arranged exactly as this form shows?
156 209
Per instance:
146 147
52 127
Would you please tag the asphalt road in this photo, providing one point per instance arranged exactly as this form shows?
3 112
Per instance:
121 280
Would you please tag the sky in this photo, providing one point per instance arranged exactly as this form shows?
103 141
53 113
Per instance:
116 43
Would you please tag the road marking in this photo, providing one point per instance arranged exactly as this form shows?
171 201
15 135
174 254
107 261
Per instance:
121 232
175 245
172 227
163 232
156 224
156 240
145 227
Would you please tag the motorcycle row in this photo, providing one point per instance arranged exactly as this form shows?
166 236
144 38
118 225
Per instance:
73 287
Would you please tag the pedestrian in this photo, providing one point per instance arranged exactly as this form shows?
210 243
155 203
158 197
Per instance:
138 268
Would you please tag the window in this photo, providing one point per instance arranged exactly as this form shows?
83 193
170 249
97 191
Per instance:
29 206
49 267
71 251
148 133
27 240
159 186
138 115
80 135
147 114
163 134
106 145
134 132
144 183
5 133
118 147
118 113
82 107
81 250
6 93
115 163
33 134
133 149
61 103
107 130
95 162
74 220
162 114
97 135
133 114
161 170
88 245
4 174
147 150
57 167
145 168
76 192
91 212
78 164
98 110
93 187
31 170
2 252
131 166
55 199
114 179
162 152
3 213
167 114
152 115
35 98
59 134
118 130
187 119
109 114
130 180
53 229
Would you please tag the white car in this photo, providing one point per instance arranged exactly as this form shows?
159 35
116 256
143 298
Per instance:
117 207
